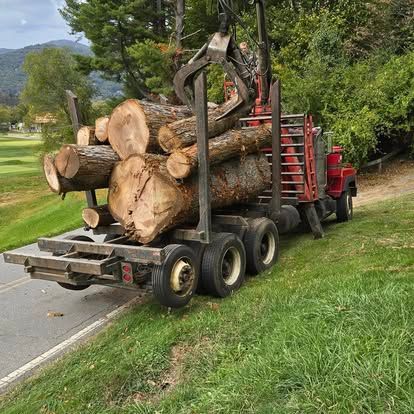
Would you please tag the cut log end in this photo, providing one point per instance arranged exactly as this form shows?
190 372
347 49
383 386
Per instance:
86 136
67 161
128 132
97 216
158 204
51 174
167 140
101 129
179 165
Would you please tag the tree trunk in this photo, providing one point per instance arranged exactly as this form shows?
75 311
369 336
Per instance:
133 126
78 160
62 185
236 142
86 136
183 133
101 129
148 201
97 216
179 23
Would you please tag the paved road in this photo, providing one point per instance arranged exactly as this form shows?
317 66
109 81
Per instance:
26 331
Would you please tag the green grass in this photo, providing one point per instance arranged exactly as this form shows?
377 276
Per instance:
28 209
329 330
18 156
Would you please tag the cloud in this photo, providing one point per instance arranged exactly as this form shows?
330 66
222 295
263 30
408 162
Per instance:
25 22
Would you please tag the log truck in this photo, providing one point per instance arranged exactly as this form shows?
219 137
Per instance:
309 183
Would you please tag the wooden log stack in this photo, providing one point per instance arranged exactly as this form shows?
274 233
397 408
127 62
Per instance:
150 166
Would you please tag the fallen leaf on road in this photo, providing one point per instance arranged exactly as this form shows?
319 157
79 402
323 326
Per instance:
55 314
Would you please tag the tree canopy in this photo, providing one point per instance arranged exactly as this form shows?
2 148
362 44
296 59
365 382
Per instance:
50 73
349 62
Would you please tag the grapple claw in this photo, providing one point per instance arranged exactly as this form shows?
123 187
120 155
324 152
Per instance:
222 50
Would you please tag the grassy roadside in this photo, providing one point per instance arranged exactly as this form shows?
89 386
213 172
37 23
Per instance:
329 330
28 209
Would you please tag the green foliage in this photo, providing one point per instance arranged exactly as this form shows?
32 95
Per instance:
5 114
155 61
50 73
13 77
349 64
215 81
113 27
338 59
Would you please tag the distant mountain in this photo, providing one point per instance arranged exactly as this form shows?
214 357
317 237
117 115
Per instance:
12 77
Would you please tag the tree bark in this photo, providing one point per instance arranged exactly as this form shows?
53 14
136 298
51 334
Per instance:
97 216
236 142
86 136
148 201
62 185
183 133
179 23
78 160
101 129
133 126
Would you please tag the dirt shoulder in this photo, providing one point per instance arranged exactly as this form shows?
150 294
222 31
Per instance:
396 179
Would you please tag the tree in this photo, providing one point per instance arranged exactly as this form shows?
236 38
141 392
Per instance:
50 73
5 114
113 27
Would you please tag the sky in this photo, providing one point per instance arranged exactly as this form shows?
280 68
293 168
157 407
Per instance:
28 22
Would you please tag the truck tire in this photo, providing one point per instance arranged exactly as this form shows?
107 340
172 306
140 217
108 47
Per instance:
262 245
223 266
68 286
175 281
344 207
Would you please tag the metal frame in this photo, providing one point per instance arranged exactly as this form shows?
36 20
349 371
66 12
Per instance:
203 232
276 203
76 118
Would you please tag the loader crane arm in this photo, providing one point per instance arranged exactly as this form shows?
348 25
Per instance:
222 49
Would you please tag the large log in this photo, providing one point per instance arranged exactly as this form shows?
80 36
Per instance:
101 128
236 142
156 202
133 126
183 133
125 178
86 136
62 185
78 160
97 216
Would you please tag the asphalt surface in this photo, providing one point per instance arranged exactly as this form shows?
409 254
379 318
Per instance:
26 330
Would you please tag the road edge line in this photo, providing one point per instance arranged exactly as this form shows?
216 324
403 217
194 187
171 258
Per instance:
17 374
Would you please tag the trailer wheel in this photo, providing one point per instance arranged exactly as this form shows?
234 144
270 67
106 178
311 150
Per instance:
175 281
223 266
68 286
262 245
344 207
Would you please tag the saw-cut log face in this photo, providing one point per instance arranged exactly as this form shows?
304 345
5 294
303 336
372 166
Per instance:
67 161
127 129
51 174
142 198
122 182
101 128
158 203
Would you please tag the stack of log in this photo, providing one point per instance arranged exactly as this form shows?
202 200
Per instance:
146 155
